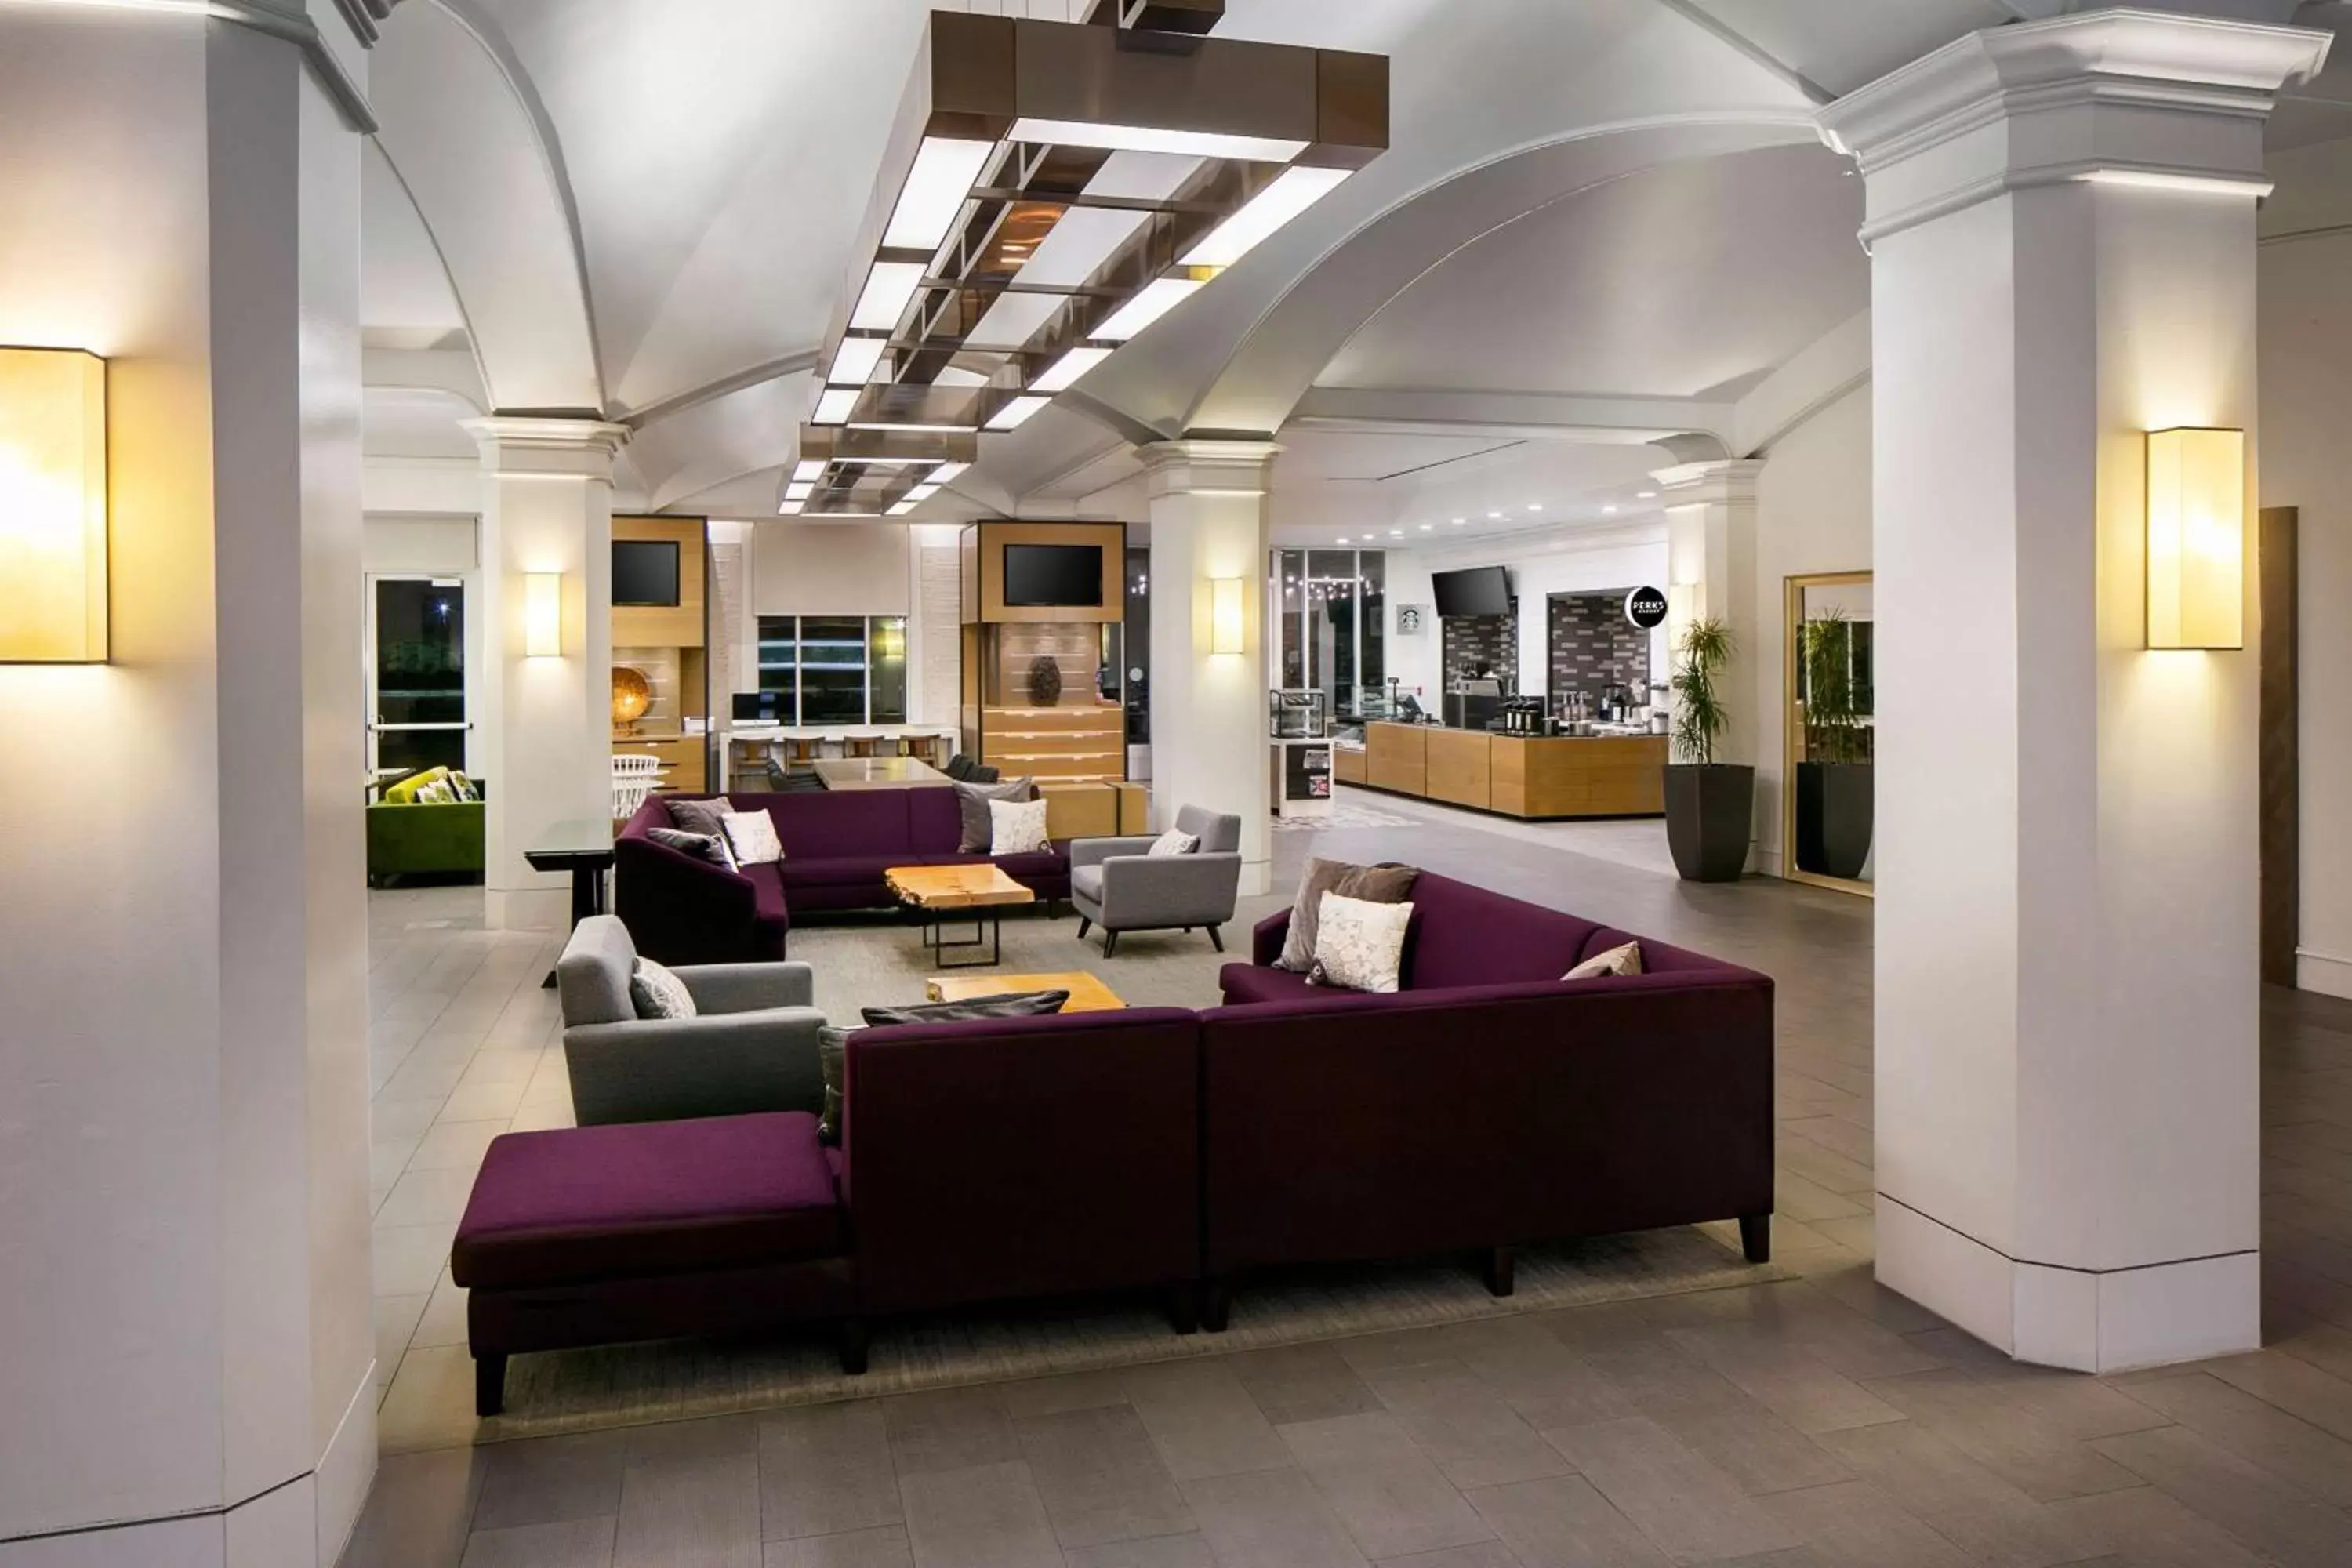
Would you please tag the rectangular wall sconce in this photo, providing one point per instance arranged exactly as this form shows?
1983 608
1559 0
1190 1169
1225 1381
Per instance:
2196 539
1226 632
542 614
52 506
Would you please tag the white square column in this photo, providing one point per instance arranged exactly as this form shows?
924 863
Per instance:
1711 572
2061 219
1209 709
547 718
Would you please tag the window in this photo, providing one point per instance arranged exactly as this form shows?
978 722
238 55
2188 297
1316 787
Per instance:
836 670
1330 604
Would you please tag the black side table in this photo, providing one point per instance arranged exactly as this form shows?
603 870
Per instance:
585 849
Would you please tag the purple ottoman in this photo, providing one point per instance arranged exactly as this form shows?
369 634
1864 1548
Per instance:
649 1230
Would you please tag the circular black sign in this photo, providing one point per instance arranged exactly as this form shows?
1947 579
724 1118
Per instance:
1646 609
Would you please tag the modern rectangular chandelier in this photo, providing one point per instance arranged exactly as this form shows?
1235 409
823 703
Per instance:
1052 189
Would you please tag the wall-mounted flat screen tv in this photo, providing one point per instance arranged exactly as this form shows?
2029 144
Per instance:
645 572
1480 590
1054 577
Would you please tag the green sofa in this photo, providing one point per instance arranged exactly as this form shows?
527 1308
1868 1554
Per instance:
408 836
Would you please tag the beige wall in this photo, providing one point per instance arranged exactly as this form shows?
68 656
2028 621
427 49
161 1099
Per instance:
830 569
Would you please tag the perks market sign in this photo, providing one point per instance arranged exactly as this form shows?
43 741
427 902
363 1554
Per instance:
1646 609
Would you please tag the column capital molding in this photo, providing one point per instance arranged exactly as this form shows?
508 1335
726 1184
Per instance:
1728 481
2120 96
531 445
1207 467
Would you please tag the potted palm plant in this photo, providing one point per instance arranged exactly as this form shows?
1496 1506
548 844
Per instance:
1834 789
1710 805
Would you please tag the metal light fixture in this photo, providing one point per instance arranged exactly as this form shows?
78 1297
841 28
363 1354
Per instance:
1226 633
53 562
2196 539
1052 189
542 614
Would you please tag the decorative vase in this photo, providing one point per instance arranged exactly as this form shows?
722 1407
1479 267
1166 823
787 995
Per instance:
1045 681
632 695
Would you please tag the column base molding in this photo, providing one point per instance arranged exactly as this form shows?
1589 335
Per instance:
2084 1320
2322 971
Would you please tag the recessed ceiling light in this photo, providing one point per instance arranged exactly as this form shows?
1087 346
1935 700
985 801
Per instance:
834 403
853 361
888 286
1534 506
1494 514
1460 521
1156 299
1645 495
807 469
902 507
1156 139
1609 511
923 492
1015 413
945 472
1343 539
1427 526
934 193
1292 192
1068 368
798 491
1396 534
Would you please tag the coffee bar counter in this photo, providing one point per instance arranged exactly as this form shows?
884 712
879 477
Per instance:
1528 776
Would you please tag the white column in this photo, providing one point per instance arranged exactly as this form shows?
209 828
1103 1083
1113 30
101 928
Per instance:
185 1339
1711 571
547 720
1209 709
2061 217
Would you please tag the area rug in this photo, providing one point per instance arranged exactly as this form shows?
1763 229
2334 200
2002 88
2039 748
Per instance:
623 1385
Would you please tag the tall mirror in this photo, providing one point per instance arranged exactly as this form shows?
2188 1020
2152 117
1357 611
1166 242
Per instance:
1826 799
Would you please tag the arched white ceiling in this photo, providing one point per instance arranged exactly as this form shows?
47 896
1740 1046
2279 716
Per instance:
406 299
1688 279
461 137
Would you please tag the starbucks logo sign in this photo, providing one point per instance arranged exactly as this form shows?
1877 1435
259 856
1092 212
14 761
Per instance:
1646 609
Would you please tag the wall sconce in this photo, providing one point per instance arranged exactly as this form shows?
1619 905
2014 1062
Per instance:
52 506
1225 629
542 614
2196 539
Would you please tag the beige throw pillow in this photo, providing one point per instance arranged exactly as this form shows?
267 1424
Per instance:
1358 946
1171 843
751 834
1374 884
1017 828
1625 960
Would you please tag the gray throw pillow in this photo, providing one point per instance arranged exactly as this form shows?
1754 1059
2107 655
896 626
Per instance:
701 816
833 1044
708 847
1383 884
971 800
656 993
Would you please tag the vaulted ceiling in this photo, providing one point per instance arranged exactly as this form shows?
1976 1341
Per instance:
644 210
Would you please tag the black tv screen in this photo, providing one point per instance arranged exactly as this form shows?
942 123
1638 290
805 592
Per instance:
1054 577
645 572
1481 591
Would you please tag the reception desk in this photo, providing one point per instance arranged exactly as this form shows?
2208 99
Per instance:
1519 776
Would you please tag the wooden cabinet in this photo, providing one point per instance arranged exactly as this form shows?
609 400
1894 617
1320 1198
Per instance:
682 758
1088 743
1516 775
1347 764
1396 757
1459 768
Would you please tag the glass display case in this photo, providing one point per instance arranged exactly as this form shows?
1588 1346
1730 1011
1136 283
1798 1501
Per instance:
1301 713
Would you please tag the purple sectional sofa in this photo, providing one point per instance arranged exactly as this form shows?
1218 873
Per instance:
837 845
1486 1105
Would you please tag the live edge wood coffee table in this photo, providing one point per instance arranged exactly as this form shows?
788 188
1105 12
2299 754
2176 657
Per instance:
938 894
1087 994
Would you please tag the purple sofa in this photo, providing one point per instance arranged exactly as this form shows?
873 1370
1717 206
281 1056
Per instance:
837 845
1488 1103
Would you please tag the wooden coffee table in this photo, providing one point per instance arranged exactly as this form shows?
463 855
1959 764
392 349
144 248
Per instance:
1087 994
938 894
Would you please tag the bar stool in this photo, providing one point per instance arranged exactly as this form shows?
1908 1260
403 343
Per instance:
797 749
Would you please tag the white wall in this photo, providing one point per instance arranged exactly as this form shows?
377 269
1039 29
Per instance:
1812 514
2307 463
830 569
1566 560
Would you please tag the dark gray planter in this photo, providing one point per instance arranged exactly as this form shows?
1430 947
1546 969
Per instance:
1711 813
1835 807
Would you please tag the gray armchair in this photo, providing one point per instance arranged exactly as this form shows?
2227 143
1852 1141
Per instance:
1114 884
752 1045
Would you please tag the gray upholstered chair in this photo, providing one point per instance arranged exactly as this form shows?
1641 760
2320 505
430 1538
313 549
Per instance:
1114 884
752 1045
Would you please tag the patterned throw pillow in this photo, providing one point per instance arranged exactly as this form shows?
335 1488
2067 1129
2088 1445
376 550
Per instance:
701 845
707 817
1625 960
971 801
1382 884
1359 945
1017 828
466 788
657 993
440 792
751 834
1172 843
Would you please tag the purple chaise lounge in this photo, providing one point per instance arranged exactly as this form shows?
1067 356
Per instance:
1486 1105
836 847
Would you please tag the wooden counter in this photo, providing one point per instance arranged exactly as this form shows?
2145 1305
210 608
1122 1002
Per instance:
1530 777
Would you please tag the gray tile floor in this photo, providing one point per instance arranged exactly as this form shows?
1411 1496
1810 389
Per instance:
1820 1421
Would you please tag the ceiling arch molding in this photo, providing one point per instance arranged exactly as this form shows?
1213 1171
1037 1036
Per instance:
458 126
1280 355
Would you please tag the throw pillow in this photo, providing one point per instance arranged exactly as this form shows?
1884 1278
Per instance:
1359 945
751 834
657 993
1173 843
1382 884
1625 960
971 800
701 845
700 815
1017 828
465 787
832 1061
